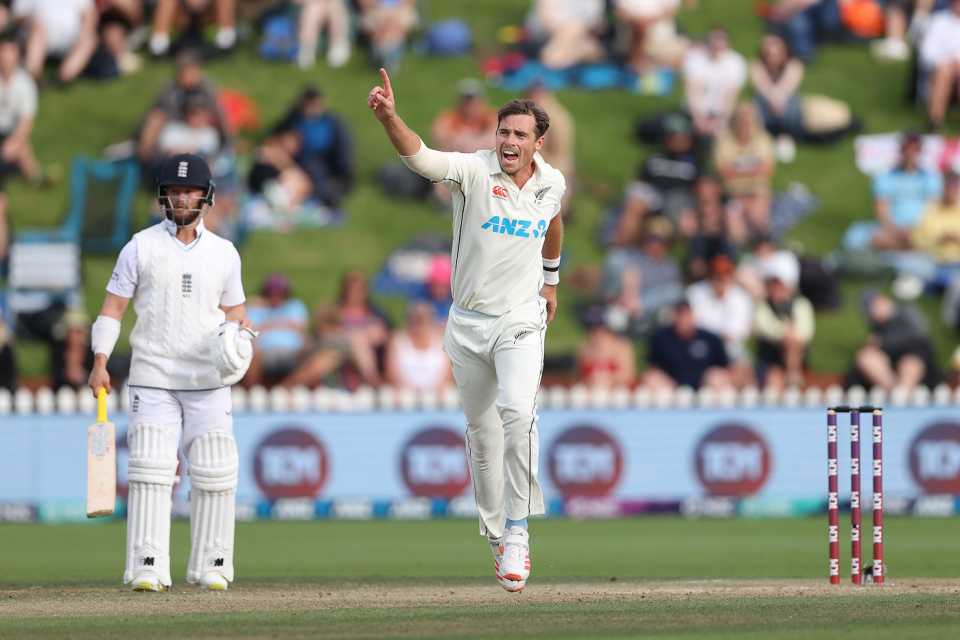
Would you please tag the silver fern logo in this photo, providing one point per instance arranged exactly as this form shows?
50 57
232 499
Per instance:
538 195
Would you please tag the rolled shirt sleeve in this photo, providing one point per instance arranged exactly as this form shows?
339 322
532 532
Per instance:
439 166
431 164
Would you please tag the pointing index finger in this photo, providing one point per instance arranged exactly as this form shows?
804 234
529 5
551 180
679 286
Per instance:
387 87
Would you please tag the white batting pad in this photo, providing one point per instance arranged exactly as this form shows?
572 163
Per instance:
151 469
213 487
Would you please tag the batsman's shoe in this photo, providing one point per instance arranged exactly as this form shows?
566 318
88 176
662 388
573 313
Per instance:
213 581
515 562
147 582
496 548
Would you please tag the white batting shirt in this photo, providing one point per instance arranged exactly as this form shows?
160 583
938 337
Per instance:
498 228
177 290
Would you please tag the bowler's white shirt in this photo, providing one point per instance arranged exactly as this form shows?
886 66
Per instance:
498 230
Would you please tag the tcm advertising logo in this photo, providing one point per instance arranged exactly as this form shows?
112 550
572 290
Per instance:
433 463
935 458
732 460
290 463
585 461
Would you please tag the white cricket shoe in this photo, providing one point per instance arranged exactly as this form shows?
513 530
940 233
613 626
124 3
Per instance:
496 548
213 581
147 582
515 561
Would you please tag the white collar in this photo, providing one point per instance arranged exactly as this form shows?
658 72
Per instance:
171 227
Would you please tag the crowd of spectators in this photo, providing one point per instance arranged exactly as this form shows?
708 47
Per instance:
696 266
696 284
353 342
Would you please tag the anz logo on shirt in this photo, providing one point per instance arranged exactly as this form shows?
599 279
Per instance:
512 227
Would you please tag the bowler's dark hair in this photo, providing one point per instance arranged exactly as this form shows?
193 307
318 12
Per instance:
526 107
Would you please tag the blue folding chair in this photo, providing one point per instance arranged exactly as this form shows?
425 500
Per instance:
100 209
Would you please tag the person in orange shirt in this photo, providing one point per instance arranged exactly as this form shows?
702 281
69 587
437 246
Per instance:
470 125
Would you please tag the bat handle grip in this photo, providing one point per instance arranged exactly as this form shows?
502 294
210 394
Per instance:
102 404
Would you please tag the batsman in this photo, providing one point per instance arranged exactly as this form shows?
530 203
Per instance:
191 341
507 237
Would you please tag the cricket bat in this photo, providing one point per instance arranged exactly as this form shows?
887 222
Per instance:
101 462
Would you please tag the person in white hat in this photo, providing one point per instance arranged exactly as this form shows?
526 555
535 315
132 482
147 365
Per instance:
783 324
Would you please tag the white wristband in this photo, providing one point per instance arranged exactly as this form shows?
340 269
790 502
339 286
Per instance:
551 271
104 335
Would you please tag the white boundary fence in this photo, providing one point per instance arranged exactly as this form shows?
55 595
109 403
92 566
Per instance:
67 401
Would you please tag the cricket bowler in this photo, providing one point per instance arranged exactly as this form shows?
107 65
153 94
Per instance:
507 237
190 343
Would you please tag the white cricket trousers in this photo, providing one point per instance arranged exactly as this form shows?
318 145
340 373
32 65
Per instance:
497 363
161 423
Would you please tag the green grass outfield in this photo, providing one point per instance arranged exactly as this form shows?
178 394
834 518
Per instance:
664 577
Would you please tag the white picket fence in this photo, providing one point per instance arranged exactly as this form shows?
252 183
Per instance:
260 400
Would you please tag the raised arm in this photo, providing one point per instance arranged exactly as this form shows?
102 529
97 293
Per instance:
427 162
384 106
